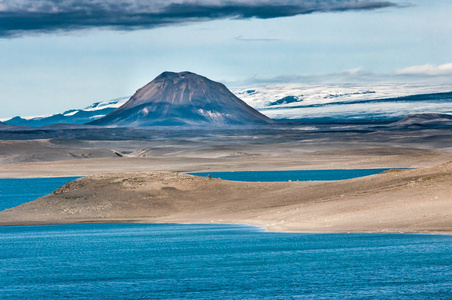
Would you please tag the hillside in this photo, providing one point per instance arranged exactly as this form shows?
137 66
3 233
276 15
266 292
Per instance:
175 99
416 200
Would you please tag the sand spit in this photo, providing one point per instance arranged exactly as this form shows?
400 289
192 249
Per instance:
418 200
268 158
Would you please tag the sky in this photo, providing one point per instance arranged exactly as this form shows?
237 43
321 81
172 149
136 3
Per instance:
62 54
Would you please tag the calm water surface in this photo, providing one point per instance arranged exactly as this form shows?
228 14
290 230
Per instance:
14 192
151 261
294 175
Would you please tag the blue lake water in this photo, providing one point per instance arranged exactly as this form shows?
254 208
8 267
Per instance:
301 175
157 261
14 192
154 261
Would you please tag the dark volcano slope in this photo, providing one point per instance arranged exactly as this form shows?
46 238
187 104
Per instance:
176 99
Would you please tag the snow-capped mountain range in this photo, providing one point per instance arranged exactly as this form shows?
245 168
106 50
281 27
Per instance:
347 102
307 102
72 116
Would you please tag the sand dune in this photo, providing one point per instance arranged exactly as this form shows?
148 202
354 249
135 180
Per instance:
418 200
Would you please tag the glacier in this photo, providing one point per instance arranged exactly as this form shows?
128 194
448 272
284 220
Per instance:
311 103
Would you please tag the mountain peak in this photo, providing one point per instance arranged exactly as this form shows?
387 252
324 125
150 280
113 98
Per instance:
183 98
174 75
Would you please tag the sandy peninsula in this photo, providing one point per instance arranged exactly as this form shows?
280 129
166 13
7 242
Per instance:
415 200
136 175
59 158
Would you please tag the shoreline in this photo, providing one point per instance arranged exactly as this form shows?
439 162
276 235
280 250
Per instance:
264 228
205 173
399 201
371 158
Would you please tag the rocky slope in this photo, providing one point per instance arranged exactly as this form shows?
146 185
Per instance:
174 99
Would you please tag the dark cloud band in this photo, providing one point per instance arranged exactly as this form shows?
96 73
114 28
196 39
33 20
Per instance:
41 16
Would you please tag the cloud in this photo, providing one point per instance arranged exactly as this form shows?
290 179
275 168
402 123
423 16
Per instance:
424 75
351 75
243 39
20 17
427 70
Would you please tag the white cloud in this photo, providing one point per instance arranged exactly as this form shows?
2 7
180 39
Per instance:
428 70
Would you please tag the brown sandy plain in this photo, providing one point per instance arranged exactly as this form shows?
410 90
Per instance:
134 181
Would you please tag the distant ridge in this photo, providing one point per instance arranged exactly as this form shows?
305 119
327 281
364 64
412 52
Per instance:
430 120
178 99
285 106
72 116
